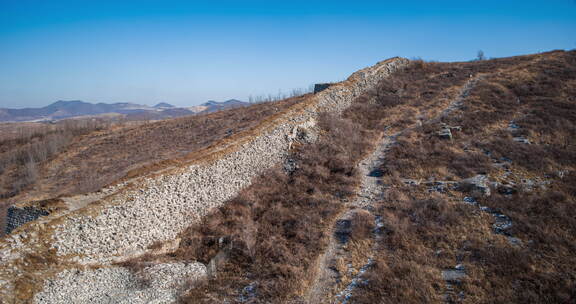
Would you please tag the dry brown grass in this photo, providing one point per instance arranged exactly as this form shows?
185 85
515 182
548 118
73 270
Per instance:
87 161
427 235
276 229
26 146
272 234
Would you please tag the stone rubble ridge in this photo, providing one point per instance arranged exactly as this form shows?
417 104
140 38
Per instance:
157 208
163 207
120 284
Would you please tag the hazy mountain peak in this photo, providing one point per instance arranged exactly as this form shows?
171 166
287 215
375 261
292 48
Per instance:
65 103
62 109
163 105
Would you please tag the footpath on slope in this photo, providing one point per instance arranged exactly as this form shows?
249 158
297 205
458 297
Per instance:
125 224
325 288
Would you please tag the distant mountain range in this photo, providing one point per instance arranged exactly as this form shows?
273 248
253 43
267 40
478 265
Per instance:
76 108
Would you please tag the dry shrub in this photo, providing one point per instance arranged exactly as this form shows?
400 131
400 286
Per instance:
428 235
362 225
278 226
406 265
275 230
21 156
396 280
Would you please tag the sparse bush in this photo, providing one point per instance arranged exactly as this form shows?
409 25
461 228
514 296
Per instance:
22 156
362 225
278 225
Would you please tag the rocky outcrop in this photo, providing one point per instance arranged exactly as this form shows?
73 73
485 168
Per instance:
155 209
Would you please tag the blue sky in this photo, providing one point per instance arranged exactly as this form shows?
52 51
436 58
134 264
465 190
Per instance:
187 52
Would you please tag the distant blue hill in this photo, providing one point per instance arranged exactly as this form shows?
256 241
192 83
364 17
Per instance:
73 108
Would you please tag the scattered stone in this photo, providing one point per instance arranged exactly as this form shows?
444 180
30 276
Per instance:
521 139
453 275
411 182
478 182
248 293
343 230
441 186
345 295
514 241
290 165
486 209
502 223
376 173
512 126
470 200
379 225
445 133
506 190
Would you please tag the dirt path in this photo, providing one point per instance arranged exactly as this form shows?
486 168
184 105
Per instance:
329 286
328 278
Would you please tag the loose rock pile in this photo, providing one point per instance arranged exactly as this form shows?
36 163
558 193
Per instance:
155 284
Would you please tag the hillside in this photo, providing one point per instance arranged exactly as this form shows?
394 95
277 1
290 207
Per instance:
75 157
409 182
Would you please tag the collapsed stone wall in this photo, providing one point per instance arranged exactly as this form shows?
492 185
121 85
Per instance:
120 285
158 208
162 207
16 217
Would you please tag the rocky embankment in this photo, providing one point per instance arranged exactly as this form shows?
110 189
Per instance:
74 254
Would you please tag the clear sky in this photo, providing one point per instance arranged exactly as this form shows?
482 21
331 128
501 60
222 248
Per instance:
187 52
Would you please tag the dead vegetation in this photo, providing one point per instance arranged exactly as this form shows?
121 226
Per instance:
23 151
273 232
71 159
265 242
43 161
429 230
